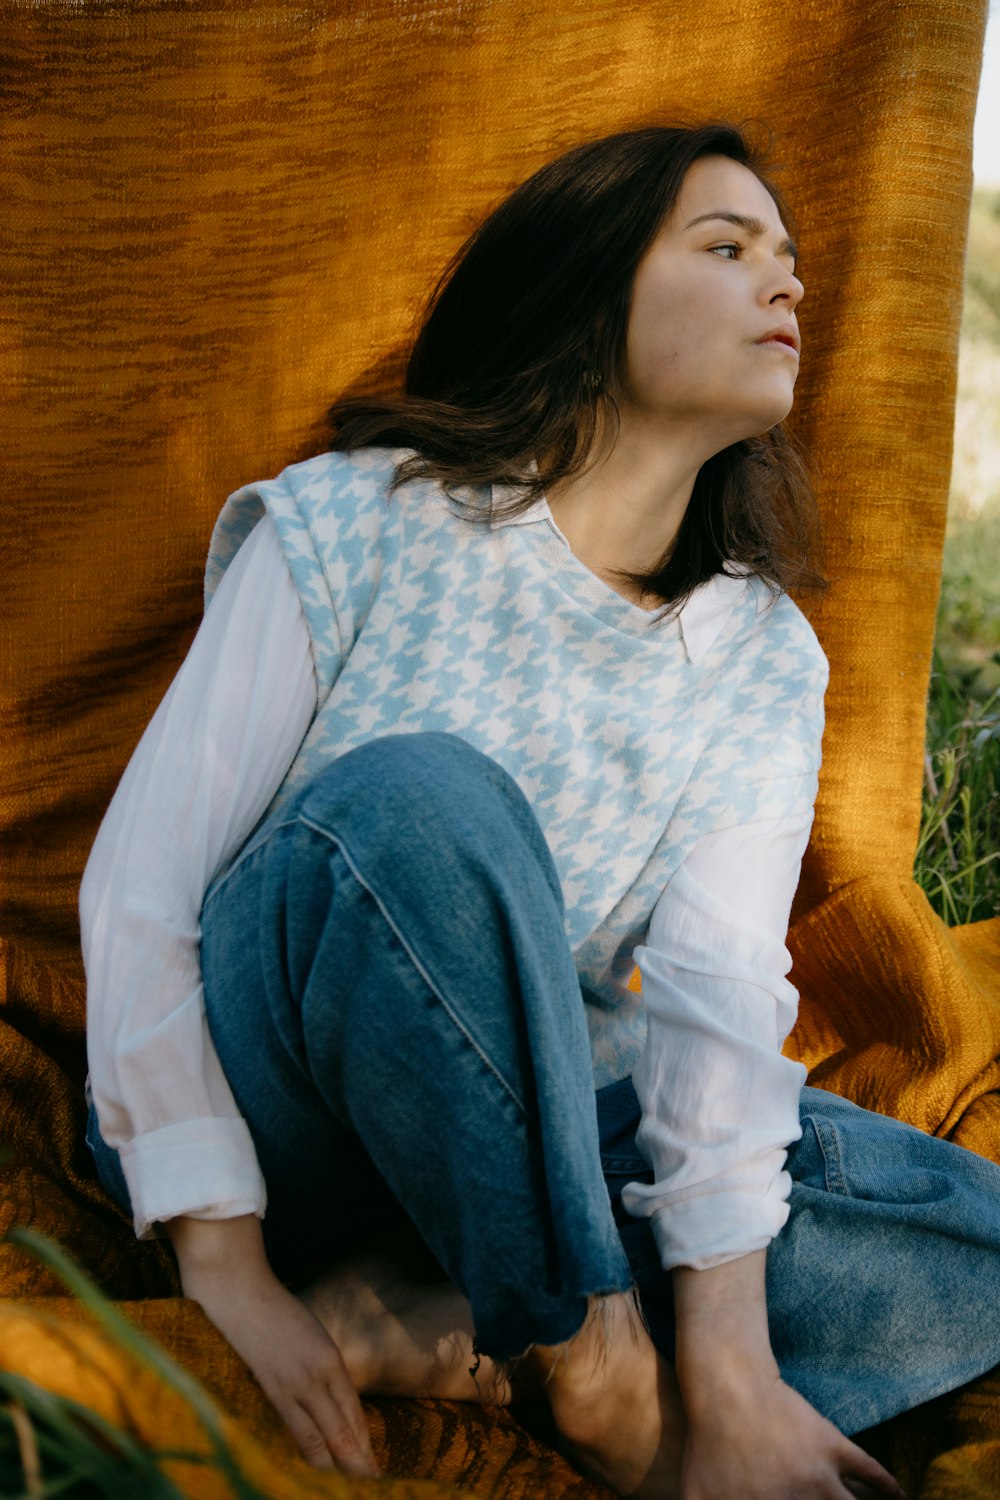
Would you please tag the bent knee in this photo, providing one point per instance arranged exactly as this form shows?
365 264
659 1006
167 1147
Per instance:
426 756
428 764
409 795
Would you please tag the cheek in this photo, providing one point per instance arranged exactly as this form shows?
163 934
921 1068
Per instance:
671 339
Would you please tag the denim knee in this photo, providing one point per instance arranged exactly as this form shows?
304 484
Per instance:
411 799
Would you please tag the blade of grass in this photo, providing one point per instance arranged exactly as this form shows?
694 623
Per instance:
72 1436
956 860
141 1349
27 1446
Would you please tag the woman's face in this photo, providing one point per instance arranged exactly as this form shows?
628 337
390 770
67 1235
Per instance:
712 334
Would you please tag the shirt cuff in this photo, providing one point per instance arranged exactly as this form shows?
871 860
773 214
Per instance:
711 1228
206 1168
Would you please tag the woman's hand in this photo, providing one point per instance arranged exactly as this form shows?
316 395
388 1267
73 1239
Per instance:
224 1268
750 1436
772 1445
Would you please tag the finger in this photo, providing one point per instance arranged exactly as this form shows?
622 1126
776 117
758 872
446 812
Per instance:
334 1375
338 1437
332 1383
867 1471
308 1438
345 1396
859 1491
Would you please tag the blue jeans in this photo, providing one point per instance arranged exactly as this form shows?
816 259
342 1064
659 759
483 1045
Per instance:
391 994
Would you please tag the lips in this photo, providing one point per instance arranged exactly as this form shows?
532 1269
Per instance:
786 336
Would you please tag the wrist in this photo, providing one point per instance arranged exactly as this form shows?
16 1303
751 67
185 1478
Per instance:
207 1248
732 1381
723 1346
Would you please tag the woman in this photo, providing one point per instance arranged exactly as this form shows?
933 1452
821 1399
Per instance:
498 699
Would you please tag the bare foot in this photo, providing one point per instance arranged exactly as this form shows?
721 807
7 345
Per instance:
615 1402
400 1337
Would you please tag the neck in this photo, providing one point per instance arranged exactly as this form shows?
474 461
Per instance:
623 513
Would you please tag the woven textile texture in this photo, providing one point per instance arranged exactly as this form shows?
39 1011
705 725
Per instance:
219 217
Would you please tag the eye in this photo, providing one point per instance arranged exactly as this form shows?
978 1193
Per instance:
729 251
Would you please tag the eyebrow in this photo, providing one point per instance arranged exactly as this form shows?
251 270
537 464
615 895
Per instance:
753 226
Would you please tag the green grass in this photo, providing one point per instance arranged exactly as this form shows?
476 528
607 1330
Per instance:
958 859
53 1447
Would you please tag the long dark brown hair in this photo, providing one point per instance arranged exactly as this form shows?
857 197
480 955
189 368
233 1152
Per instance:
520 361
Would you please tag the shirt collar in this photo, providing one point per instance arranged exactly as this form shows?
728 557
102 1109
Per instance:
707 610
703 615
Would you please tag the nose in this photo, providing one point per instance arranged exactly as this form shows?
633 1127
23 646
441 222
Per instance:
784 286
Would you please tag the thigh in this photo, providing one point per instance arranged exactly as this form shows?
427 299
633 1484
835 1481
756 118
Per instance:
324 1192
884 1286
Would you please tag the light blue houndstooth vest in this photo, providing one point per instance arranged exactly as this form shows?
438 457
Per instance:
631 738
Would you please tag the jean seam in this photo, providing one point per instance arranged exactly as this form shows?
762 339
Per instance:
332 837
833 1164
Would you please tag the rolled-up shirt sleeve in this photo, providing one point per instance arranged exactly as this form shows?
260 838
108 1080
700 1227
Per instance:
204 772
720 1104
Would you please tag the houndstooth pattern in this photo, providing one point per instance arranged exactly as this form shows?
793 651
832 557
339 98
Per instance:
629 745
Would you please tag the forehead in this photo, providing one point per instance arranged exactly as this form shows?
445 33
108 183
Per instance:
717 182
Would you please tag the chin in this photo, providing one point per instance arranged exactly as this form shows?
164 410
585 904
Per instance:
769 416
761 427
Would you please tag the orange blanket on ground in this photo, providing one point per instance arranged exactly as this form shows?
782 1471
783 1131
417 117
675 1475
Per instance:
219 217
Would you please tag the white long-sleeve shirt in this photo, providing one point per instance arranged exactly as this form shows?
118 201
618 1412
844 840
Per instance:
719 1101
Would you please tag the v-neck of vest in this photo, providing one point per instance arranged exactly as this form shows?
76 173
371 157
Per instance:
697 625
